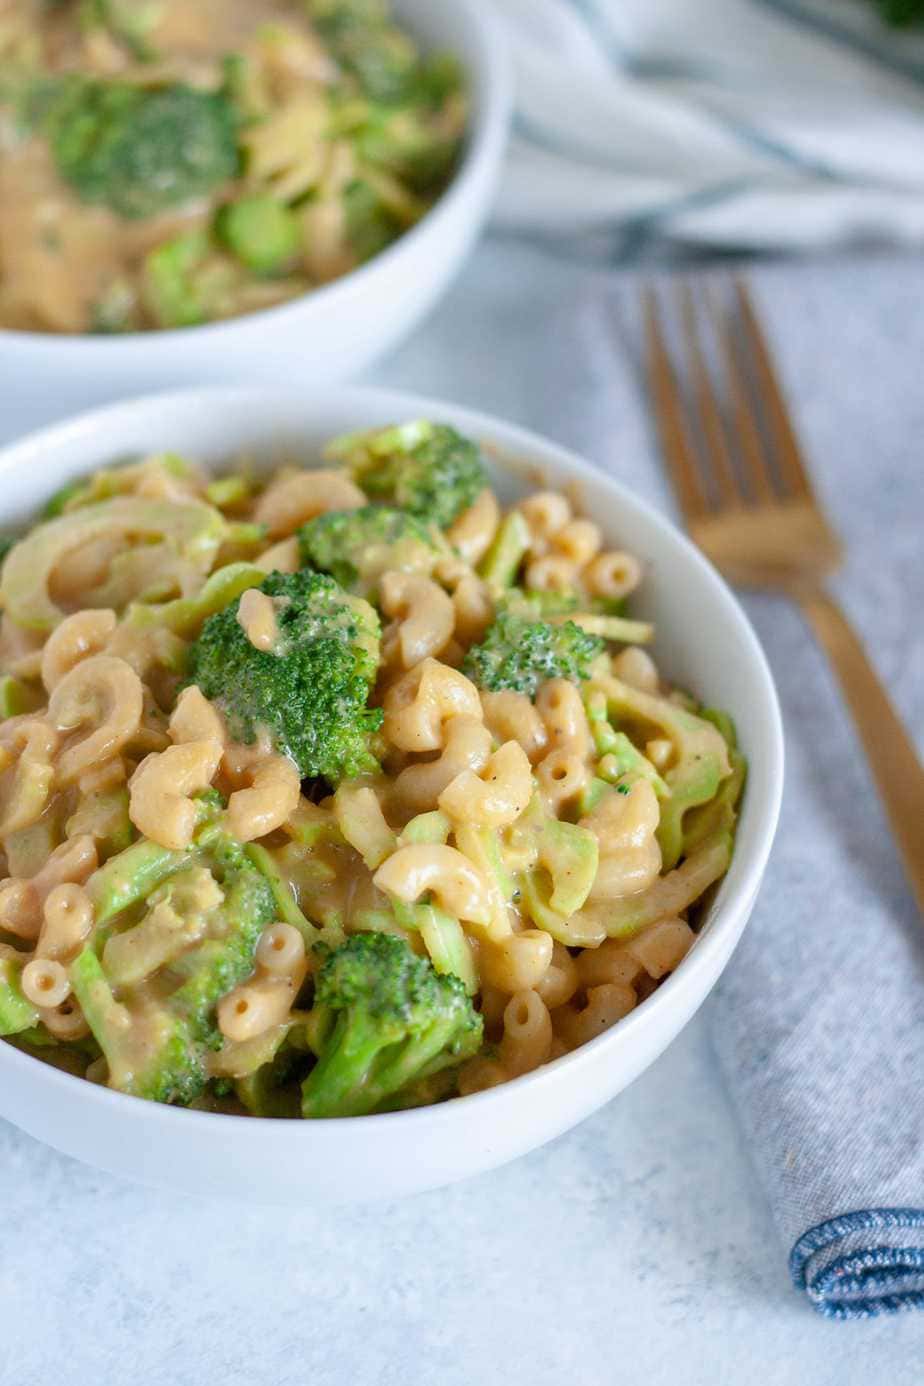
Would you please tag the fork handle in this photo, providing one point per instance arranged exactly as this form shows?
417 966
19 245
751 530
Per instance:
889 749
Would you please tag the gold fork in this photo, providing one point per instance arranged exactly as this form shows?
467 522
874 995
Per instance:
742 485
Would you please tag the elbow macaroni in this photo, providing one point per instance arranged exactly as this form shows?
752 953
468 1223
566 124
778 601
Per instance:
160 803
420 704
424 616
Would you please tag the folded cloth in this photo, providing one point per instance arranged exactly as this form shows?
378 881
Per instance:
731 123
818 1021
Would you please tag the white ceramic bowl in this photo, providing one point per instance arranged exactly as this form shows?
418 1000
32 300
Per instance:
704 642
333 332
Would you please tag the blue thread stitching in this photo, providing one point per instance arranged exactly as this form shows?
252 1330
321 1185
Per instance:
875 1275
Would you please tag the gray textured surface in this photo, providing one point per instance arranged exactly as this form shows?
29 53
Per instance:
640 1246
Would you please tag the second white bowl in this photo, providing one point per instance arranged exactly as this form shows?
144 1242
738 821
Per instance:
331 333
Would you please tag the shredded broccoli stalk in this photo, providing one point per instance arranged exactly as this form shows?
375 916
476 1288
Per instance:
157 1048
16 1013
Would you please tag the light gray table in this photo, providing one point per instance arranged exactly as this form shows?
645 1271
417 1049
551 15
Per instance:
636 1248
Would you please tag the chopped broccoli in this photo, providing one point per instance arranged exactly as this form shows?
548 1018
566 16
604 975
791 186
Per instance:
169 282
122 479
17 697
441 76
390 1020
370 224
140 150
310 695
156 1046
382 59
428 469
539 606
192 530
261 231
114 310
357 546
501 564
520 654
219 963
189 280
128 21
408 143
16 1013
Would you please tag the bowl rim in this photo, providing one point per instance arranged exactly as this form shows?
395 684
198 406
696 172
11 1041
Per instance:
730 914
486 134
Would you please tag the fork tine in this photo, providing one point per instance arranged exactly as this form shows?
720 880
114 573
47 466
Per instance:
710 416
792 468
753 456
668 403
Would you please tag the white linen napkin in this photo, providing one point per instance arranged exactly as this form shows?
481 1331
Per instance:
731 123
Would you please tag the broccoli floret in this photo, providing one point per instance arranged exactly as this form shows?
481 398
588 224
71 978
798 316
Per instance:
520 653
357 546
391 1020
382 59
428 469
310 693
139 150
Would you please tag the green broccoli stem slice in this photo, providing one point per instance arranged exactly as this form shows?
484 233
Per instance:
263 232
106 1017
132 876
286 908
501 563
138 870
16 1013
